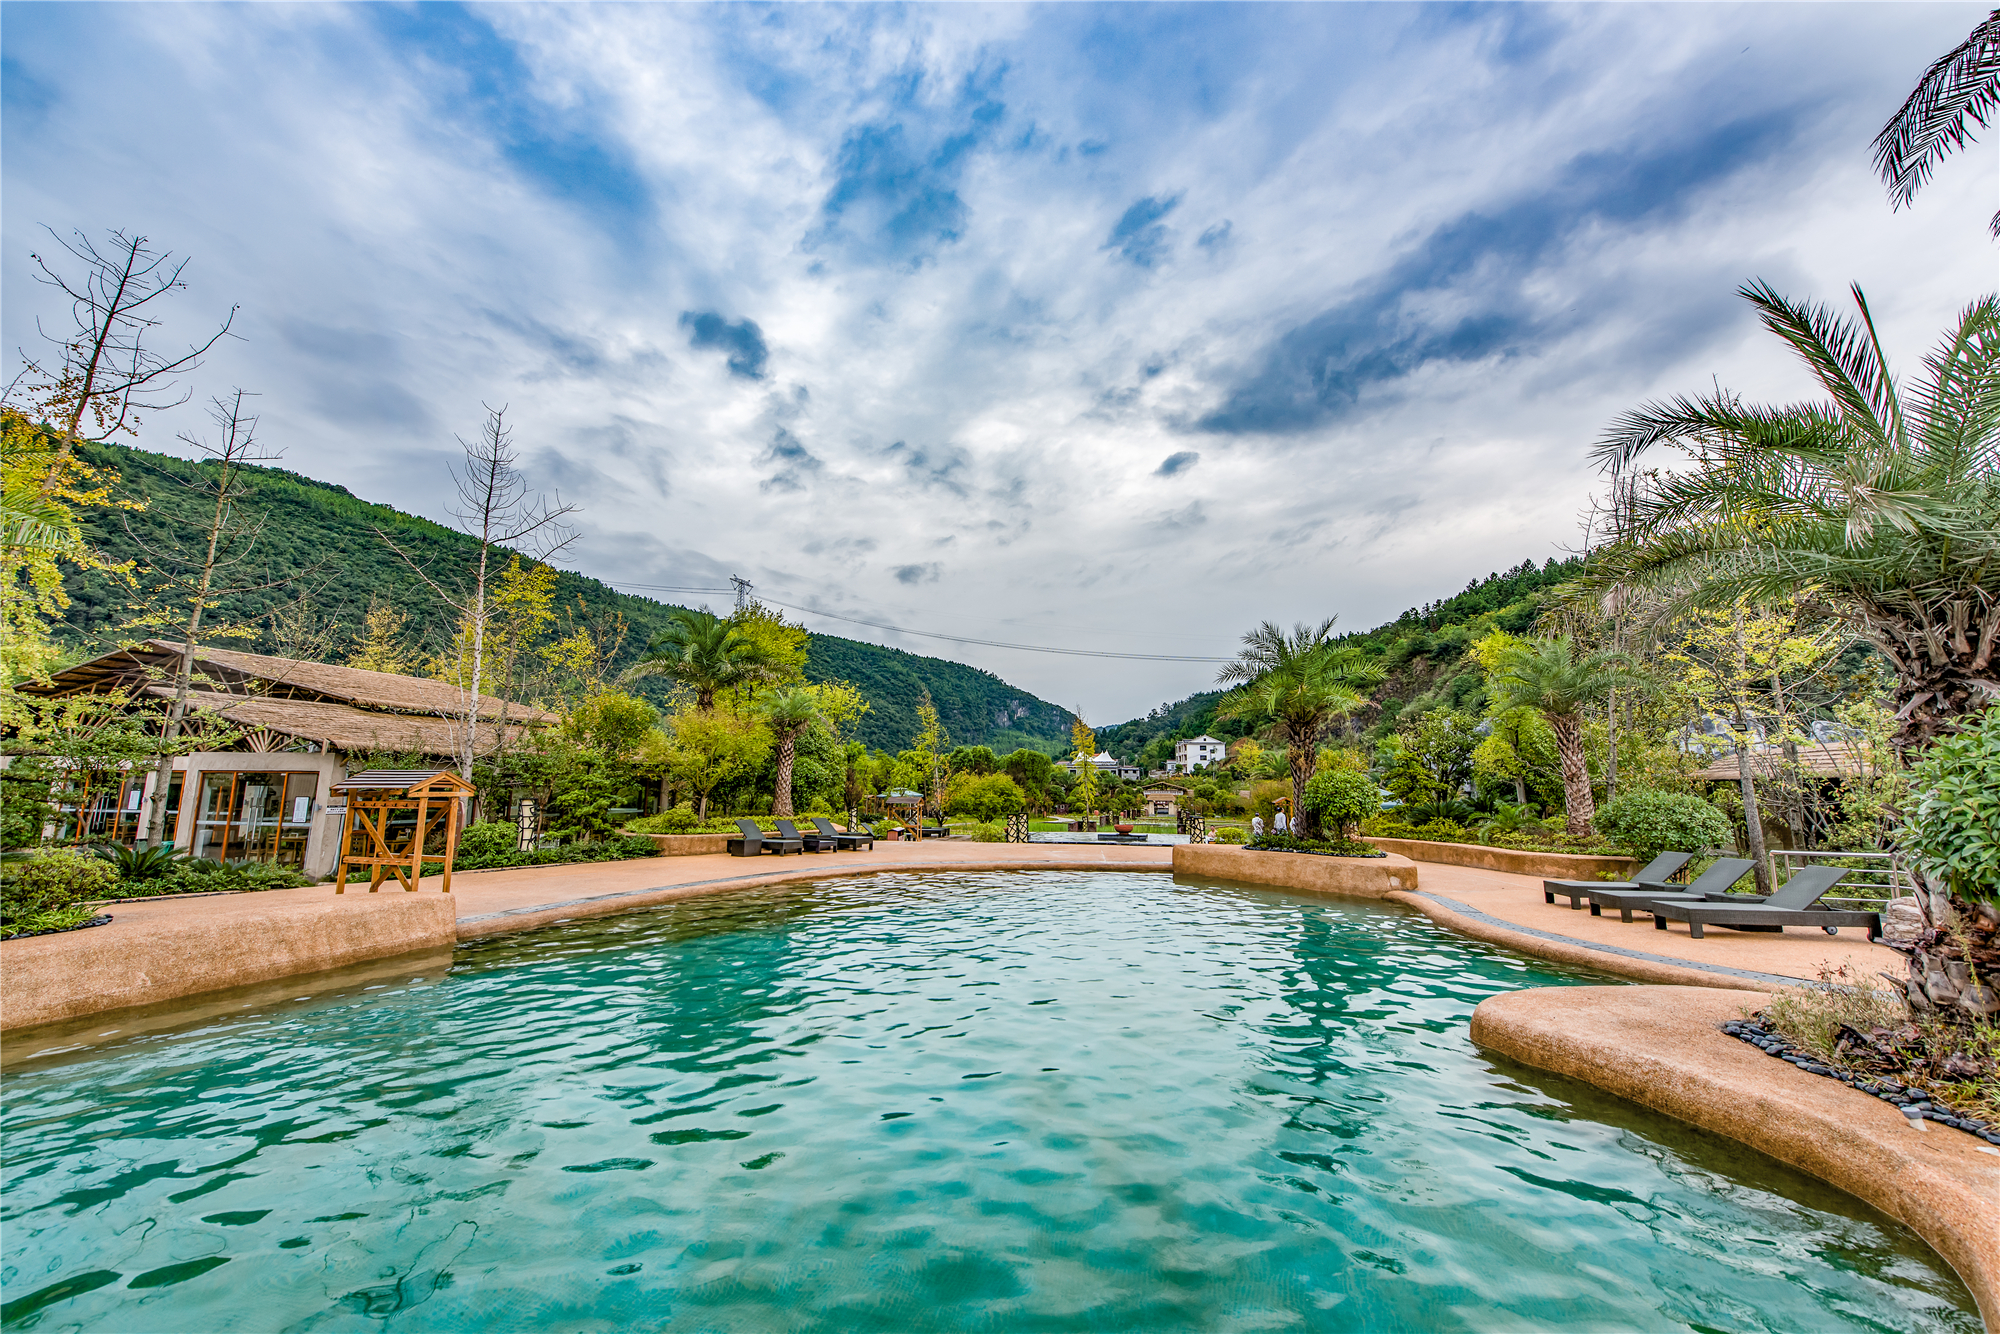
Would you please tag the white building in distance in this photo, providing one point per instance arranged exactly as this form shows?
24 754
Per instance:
1197 753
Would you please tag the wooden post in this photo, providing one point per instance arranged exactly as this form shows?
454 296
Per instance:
417 842
452 812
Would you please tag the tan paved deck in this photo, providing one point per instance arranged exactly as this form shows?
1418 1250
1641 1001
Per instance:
1798 952
155 950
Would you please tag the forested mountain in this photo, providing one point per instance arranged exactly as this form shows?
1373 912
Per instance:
321 539
1419 653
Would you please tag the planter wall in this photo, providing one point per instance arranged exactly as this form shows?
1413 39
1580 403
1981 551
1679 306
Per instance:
690 845
1542 865
1354 877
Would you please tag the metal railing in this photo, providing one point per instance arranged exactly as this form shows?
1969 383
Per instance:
1872 877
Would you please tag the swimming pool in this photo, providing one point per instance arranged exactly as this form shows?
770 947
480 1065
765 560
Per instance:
945 1101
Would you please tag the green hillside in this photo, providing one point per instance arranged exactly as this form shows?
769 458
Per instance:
1419 653
322 537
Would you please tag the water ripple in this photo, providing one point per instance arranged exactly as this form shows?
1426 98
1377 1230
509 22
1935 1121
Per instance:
1022 1101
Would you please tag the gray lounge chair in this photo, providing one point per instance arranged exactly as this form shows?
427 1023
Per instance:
843 842
1791 905
755 841
1711 884
1655 872
810 842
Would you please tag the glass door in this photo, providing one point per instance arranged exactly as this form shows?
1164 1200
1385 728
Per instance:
211 817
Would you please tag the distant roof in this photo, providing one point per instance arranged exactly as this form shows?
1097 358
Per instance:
345 728
262 676
1211 740
1838 759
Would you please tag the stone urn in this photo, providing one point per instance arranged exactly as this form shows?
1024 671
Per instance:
1123 828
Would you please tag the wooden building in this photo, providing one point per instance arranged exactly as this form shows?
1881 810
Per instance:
299 728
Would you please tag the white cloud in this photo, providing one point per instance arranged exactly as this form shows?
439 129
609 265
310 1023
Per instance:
969 390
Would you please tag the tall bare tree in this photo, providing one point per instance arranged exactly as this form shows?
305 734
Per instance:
199 580
497 509
103 372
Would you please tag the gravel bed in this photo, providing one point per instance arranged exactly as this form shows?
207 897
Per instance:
1913 1103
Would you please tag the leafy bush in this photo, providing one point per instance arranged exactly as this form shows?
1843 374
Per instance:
680 820
1230 834
1389 825
1342 797
48 882
486 839
1953 828
1647 823
197 875
989 833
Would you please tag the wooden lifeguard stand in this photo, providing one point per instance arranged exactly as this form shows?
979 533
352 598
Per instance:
373 797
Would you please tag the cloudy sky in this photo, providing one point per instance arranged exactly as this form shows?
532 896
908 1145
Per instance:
1106 327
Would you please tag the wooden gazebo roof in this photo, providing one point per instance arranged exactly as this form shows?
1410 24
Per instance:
406 783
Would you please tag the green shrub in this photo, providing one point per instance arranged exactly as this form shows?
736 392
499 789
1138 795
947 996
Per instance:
679 820
50 882
1953 828
1342 797
200 876
1387 825
1230 834
1647 823
487 838
989 833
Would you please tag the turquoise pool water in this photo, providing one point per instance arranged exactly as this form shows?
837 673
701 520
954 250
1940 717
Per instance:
1005 1101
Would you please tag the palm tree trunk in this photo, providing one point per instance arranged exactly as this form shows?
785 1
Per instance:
1568 729
781 801
1299 752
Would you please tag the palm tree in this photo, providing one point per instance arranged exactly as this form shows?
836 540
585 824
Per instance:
1302 682
704 651
1964 85
788 713
1549 676
1879 508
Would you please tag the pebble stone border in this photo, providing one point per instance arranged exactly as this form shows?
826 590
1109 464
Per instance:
1913 1104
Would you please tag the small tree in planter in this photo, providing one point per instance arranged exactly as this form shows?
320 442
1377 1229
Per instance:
1340 799
1648 823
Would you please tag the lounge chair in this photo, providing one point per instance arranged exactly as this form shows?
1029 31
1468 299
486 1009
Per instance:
1710 885
1656 872
810 842
755 841
842 842
1791 905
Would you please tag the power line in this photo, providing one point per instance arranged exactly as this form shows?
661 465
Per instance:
949 638
996 643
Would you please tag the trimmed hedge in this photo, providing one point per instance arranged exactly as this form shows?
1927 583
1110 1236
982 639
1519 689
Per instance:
1313 847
